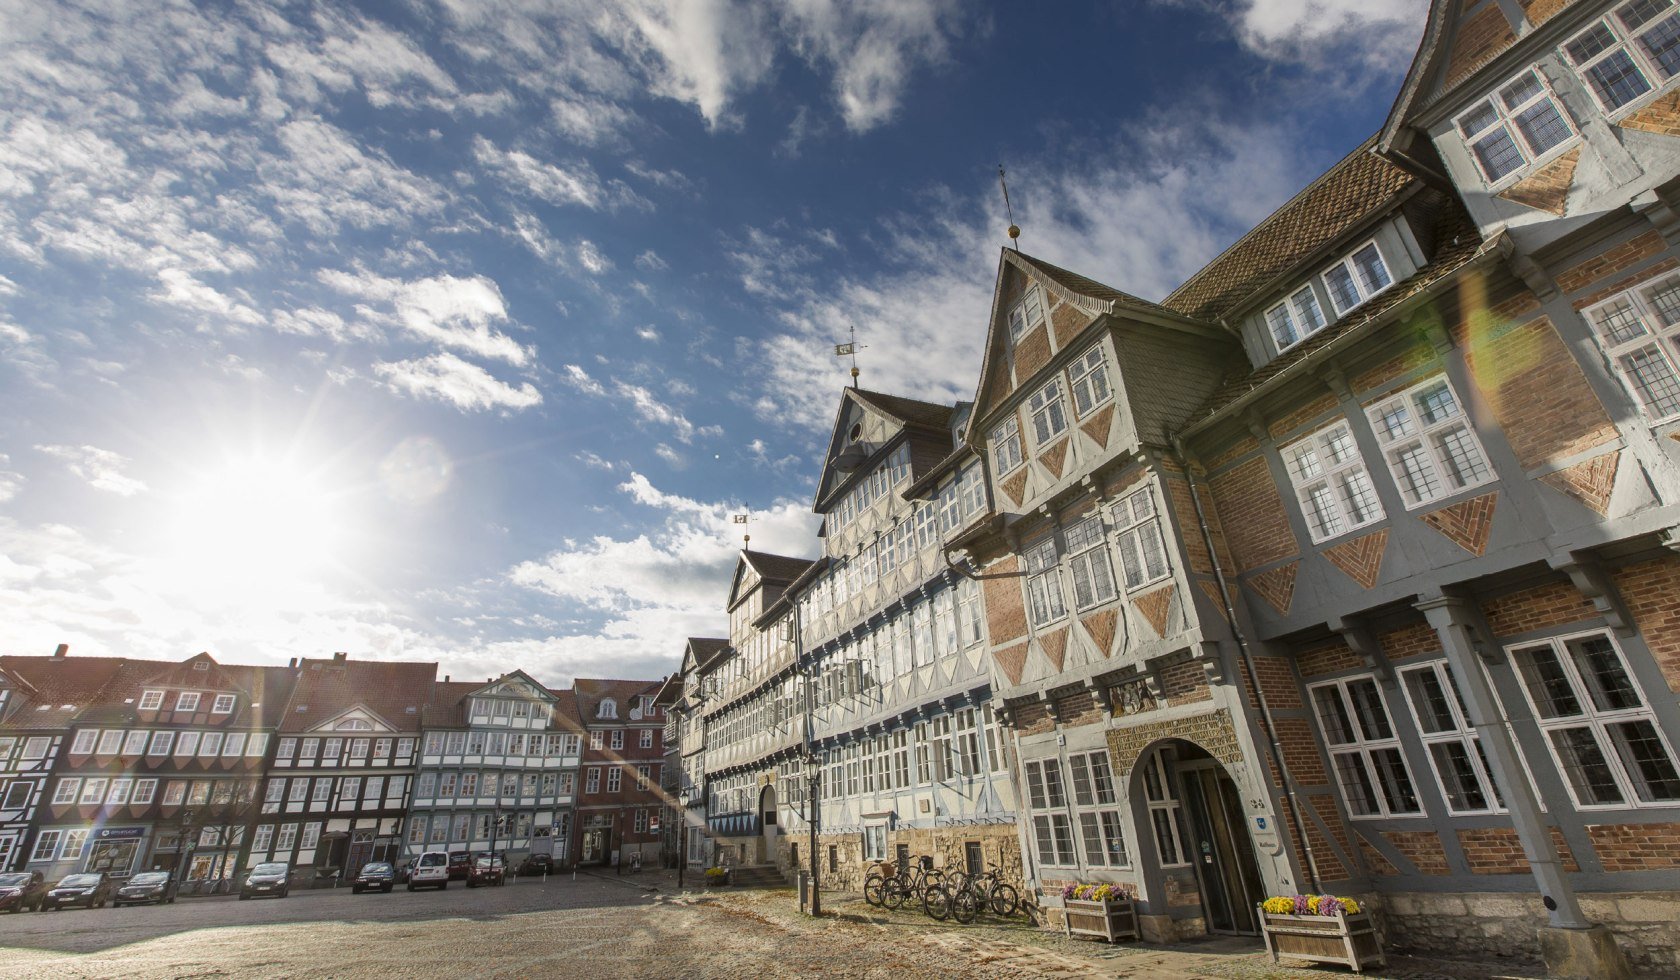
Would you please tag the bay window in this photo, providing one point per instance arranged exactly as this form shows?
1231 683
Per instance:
1331 483
1430 447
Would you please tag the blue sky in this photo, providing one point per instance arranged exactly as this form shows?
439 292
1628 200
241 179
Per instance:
450 330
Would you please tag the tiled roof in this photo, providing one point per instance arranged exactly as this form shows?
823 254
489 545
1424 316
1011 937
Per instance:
591 692
326 688
776 568
1355 188
1460 244
907 410
1086 286
706 649
445 709
56 681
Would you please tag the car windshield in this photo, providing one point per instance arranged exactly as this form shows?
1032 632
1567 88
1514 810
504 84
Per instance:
269 869
14 881
486 862
79 881
432 860
377 866
458 855
150 878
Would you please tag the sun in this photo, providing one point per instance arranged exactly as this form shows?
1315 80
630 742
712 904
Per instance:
254 526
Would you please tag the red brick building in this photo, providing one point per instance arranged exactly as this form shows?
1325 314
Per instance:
619 804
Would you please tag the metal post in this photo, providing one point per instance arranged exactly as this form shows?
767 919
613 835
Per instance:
812 771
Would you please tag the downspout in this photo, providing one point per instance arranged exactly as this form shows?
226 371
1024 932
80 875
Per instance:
1247 657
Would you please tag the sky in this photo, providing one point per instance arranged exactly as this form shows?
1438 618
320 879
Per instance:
458 331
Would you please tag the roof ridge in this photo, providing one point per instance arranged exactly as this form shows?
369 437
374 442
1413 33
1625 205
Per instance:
1052 268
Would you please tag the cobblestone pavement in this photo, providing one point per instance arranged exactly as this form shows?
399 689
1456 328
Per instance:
632 927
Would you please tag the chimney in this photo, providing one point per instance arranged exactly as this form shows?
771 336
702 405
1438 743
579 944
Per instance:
338 658
446 678
293 662
62 651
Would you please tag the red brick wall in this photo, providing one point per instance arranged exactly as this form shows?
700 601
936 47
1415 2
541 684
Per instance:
1251 512
1480 37
1409 641
1033 719
1067 320
1032 353
1422 848
1540 607
1537 391
1498 851
1006 612
1080 709
1278 681
1610 261
1184 683
1300 750
1326 657
1322 405
1636 847
1242 447
1380 375
1651 590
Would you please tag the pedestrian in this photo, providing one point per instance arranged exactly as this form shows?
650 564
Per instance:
636 863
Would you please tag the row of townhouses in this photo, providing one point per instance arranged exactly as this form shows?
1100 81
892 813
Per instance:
1348 567
203 768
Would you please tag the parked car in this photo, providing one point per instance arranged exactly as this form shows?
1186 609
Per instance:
430 870
271 878
89 890
402 869
487 869
538 864
374 876
460 865
21 891
146 888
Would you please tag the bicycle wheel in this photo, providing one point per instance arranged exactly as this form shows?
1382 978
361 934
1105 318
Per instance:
1006 901
965 906
893 894
873 888
936 902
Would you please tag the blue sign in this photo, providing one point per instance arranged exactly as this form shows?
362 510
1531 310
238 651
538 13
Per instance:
123 833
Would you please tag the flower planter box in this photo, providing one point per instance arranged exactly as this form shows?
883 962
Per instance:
1113 920
1350 940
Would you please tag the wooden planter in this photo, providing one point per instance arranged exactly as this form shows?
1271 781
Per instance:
1350 940
1112 920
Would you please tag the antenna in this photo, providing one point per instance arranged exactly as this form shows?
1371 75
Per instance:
1014 229
850 349
746 539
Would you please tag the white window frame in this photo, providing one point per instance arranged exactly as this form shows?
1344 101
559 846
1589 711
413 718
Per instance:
1360 749
1051 823
1505 122
145 790
1027 312
135 743
1594 719
1650 71
1137 533
86 739
1096 808
187 743
1329 477
1441 736
1295 316
67 791
151 700
222 705
186 701
46 845
110 742
1088 560
1415 474
162 742
1049 413
1046 599
1166 812
1088 382
1654 336
1363 289
1007 451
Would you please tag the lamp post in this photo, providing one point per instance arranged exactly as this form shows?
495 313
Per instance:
683 796
183 850
813 773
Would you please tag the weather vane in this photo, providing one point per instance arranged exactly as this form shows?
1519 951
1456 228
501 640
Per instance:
1014 229
746 519
850 349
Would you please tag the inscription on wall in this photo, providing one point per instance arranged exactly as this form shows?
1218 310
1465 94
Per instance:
1213 732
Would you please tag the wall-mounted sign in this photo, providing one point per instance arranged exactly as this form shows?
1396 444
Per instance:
120 833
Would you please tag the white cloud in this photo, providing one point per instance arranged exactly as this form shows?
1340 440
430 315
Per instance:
590 257
101 468
575 183
648 333
578 378
649 408
446 310
593 461
447 378
183 290
649 261
1329 34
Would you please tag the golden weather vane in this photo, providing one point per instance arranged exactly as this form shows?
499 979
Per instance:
850 349
1014 229
745 519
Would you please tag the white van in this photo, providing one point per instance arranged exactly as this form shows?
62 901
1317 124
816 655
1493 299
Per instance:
430 870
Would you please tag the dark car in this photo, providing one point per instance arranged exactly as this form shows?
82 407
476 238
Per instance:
271 878
375 875
401 869
91 890
21 891
460 865
146 888
487 869
538 864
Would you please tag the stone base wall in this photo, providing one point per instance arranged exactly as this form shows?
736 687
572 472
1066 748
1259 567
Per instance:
999 845
1646 925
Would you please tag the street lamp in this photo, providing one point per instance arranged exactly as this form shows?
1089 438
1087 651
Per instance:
683 796
183 849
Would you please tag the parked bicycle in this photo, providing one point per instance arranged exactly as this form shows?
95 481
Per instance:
965 896
890 886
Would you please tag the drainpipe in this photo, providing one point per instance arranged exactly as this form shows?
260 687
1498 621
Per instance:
1247 658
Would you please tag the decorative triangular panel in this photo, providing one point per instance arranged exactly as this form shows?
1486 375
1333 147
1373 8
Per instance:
1068 320
1100 626
1361 558
1212 589
1590 482
1012 661
1053 458
1661 117
1013 487
1467 523
925 675
1097 425
1276 586
1155 606
1054 645
975 655
1546 189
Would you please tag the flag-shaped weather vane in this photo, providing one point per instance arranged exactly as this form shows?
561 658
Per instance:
744 519
850 349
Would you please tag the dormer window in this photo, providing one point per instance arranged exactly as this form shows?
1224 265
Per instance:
353 725
223 704
151 700
608 709
1357 278
1026 314
187 701
1295 319
1088 379
1514 127
1049 412
1618 71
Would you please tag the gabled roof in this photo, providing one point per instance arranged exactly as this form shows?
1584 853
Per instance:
1080 285
199 672
924 426
590 692
908 411
776 570
55 682
393 691
702 650
1359 186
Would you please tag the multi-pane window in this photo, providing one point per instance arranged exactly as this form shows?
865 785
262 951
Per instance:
1096 807
311 836
187 744
1426 438
110 741
1027 313
161 743
1364 749
1357 277
1165 816
74 842
1143 556
300 788
1052 829
1295 318
618 738
67 790
1515 126
1455 751
1331 483
186 701
615 779
1093 576
84 741
151 700
144 791
1639 330
46 845
646 739
135 743
1629 53
1006 445
93 791
1044 584
1597 722
1048 411
222 705
1088 381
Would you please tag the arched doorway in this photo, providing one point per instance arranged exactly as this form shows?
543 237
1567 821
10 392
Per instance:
767 824
1200 834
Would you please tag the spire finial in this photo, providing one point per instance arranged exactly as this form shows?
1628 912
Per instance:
1014 229
746 539
850 349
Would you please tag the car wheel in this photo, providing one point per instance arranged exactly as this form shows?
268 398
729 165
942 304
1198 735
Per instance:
411 886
